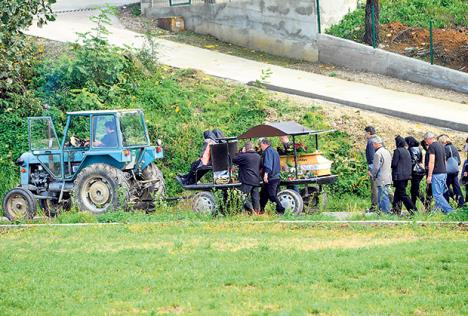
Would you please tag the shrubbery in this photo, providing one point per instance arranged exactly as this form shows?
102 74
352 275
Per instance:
415 13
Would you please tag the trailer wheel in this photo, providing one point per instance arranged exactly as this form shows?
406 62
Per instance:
18 204
291 200
100 188
204 203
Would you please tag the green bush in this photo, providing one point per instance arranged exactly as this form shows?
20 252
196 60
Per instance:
415 13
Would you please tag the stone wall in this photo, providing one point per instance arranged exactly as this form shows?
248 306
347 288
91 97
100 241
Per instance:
281 27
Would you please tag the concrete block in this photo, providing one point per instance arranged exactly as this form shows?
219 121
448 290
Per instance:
172 24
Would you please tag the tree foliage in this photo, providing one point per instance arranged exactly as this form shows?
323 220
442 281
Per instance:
15 50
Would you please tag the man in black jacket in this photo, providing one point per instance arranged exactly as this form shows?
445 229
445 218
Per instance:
249 176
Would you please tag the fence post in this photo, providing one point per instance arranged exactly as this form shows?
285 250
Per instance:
374 40
431 43
318 16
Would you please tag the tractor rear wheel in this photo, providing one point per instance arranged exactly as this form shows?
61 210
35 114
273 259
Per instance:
19 204
100 188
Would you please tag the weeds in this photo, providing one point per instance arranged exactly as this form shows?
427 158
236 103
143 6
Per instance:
230 202
415 13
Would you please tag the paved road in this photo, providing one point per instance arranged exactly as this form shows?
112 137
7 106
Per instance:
414 107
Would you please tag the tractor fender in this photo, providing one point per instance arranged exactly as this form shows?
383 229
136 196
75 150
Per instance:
148 156
103 159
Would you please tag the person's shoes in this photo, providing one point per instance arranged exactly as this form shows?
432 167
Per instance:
259 212
181 179
371 210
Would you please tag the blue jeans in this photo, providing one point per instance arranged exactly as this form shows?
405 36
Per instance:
384 200
439 187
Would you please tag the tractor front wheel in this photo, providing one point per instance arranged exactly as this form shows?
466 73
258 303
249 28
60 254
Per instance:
100 188
19 204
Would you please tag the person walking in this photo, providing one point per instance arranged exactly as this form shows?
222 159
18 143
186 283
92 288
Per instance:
271 176
418 170
453 164
401 174
249 176
381 173
437 172
370 153
428 198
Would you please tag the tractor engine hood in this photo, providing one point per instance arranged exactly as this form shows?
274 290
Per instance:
26 159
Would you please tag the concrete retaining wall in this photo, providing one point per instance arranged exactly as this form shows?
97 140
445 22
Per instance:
281 27
341 52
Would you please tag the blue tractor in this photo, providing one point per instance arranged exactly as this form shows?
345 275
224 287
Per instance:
104 161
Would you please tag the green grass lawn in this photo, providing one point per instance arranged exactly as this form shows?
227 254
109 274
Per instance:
227 268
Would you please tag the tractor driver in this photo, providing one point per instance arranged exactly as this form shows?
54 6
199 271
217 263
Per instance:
110 139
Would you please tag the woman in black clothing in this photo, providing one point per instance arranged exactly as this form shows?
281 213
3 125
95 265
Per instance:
401 173
453 184
418 170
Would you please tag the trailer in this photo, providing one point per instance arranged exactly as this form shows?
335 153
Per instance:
301 187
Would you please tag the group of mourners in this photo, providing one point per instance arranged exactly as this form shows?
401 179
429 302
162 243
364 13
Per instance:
259 171
440 166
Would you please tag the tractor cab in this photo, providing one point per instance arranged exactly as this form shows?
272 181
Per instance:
118 138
